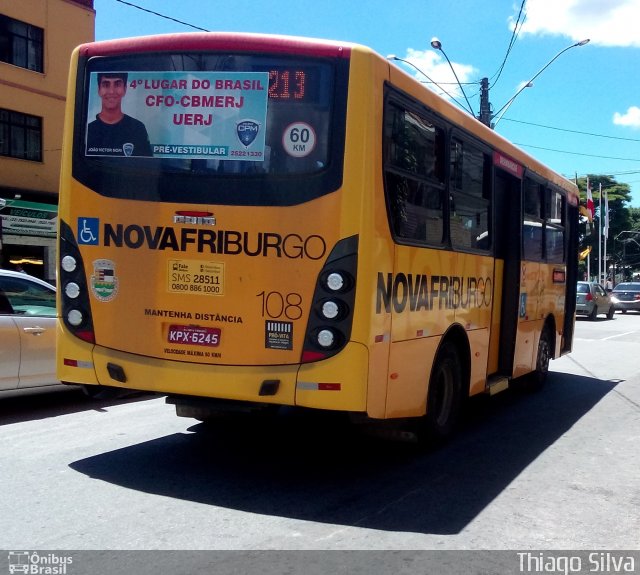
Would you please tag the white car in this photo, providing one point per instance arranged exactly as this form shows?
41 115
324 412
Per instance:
27 334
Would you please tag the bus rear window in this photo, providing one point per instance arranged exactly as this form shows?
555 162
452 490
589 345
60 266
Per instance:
206 114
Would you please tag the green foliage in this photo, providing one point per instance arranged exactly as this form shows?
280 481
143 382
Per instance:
634 219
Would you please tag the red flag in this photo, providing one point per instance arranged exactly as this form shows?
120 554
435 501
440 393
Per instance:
590 206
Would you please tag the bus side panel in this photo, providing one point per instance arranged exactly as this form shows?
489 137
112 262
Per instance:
496 314
552 301
542 296
479 348
526 340
529 322
420 302
526 332
473 298
420 313
364 181
409 371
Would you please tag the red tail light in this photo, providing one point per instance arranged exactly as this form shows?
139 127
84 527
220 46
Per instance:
588 297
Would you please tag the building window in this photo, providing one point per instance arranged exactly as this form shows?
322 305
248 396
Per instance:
21 44
20 135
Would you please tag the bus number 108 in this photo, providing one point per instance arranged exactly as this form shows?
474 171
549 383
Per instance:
275 305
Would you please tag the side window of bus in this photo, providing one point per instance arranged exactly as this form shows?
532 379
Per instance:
532 226
414 175
470 192
555 209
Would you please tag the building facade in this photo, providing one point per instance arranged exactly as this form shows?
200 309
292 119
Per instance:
36 41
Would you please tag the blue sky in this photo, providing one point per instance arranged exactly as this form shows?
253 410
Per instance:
582 114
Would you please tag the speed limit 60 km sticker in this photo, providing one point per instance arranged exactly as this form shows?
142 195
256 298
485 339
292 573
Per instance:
299 139
196 277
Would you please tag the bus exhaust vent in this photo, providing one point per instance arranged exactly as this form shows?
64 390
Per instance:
117 372
269 387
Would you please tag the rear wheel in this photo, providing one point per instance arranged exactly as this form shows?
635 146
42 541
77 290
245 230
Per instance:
536 379
611 311
444 396
594 313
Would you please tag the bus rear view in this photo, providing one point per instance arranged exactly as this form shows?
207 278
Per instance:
200 250
250 221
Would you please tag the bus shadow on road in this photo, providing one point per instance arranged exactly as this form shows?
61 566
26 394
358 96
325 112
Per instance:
57 402
321 469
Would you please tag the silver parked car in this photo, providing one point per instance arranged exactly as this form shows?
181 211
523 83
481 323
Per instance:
592 300
27 334
626 296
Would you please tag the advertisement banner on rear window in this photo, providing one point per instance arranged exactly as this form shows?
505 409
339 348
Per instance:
185 115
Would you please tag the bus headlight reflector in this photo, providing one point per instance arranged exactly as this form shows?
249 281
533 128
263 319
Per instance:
330 309
68 263
74 317
72 290
326 338
335 281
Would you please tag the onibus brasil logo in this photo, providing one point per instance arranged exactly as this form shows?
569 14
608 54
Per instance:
32 562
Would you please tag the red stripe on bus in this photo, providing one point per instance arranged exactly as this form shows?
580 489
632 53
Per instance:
218 41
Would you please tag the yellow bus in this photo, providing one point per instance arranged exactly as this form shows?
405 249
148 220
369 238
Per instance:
249 221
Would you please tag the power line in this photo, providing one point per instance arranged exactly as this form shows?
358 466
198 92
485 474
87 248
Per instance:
163 16
578 153
514 35
517 27
573 131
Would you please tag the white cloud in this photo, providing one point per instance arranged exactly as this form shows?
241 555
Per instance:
435 69
631 118
605 22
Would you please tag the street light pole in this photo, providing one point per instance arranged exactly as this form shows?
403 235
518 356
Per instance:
394 57
508 104
487 119
437 45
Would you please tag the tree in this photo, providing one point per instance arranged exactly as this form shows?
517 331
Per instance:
634 219
629 244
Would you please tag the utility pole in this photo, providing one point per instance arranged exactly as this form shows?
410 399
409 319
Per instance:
485 106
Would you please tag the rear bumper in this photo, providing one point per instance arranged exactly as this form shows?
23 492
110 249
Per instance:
337 383
627 305
582 309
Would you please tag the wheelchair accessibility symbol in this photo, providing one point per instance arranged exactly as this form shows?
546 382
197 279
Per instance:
88 231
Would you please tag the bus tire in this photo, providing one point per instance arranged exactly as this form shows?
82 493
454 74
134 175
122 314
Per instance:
444 397
537 378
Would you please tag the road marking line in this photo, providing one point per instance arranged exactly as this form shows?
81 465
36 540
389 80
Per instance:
618 335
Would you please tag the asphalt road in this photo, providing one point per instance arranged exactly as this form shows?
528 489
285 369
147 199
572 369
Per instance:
554 470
